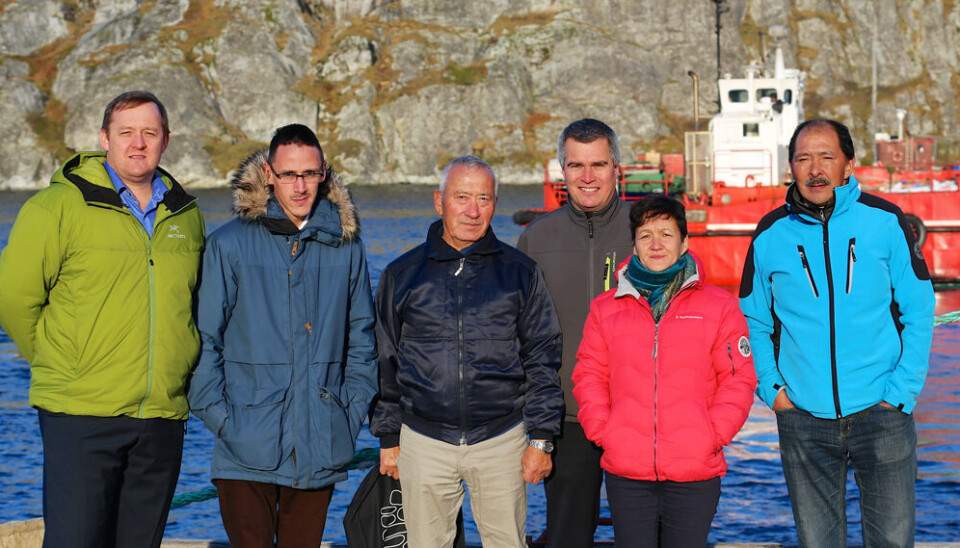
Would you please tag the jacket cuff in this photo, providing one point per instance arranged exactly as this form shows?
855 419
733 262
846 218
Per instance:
768 390
214 417
897 400
389 441
542 435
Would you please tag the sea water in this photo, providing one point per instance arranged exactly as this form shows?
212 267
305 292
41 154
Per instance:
754 506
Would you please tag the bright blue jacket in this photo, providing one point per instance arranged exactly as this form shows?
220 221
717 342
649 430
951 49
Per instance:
288 362
840 312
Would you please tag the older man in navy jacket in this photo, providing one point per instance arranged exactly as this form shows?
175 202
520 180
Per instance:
469 352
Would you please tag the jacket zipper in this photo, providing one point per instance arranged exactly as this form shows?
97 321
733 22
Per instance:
733 368
463 404
833 325
806 268
151 279
656 379
851 258
293 345
153 323
590 260
656 374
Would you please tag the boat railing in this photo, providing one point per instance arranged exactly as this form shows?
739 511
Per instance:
633 182
636 181
882 179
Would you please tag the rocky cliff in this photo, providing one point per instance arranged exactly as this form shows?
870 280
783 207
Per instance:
397 87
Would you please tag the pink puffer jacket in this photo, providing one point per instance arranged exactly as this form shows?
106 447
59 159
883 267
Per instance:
663 399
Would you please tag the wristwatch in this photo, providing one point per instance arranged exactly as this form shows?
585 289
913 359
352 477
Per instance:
543 445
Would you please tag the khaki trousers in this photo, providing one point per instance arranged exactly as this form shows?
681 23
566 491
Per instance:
433 473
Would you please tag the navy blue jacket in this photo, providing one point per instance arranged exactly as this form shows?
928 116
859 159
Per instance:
468 345
840 311
287 369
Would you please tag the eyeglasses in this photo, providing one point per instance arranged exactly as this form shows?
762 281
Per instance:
290 177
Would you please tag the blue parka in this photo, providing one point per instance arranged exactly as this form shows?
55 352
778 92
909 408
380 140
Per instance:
840 310
287 368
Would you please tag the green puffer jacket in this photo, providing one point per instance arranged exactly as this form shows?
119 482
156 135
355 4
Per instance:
101 311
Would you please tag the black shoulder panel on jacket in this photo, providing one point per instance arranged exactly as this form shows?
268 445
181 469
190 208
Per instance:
746 279
916 256
90 191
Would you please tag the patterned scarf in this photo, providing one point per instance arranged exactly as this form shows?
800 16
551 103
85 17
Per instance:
655 285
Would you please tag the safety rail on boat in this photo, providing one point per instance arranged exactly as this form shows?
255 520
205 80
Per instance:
880 178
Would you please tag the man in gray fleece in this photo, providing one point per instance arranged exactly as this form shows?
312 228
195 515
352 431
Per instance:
578 247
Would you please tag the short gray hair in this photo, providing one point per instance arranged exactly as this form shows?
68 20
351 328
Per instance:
588 130
471 163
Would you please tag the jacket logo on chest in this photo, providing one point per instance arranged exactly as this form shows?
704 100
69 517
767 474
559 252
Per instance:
174 232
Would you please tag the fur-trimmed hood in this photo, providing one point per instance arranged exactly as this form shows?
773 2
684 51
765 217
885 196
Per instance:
251 194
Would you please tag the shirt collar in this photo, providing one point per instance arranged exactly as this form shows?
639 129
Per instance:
158 189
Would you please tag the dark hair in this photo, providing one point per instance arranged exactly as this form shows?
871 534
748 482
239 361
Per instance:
657 205
133 99
588 130
293 134
843 134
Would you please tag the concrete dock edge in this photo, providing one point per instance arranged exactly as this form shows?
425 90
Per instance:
29 534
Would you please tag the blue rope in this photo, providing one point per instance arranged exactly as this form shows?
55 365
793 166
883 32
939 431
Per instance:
362 459
949 317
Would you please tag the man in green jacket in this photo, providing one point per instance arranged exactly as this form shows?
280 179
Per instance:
96 290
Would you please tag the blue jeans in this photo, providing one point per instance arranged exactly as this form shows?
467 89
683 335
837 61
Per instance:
880 444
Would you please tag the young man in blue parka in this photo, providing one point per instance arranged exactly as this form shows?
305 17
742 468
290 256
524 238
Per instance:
288 362
840 308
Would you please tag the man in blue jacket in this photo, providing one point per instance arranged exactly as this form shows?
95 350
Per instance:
288 362
840 308
469 351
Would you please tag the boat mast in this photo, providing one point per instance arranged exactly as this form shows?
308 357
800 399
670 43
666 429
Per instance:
721 9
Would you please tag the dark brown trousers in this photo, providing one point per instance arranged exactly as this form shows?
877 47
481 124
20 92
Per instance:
254 514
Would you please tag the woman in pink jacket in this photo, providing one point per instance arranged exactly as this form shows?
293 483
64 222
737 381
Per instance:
664 380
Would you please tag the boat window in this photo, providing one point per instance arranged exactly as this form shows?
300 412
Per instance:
767 92
788 96
738 95
751 130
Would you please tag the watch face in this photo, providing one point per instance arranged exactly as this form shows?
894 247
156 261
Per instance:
545 446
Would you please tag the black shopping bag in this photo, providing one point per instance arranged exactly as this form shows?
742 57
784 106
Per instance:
374 518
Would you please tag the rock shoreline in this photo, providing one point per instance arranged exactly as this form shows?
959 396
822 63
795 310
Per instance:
396 89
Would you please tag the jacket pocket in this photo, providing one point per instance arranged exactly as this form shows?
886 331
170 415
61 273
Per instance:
712 444
806 269
851 259
251 433
332 424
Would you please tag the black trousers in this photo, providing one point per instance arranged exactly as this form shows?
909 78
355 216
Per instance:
661 514
573 490
108 481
